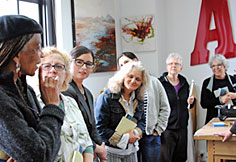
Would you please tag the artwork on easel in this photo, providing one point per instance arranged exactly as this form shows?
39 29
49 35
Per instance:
138 33
94 27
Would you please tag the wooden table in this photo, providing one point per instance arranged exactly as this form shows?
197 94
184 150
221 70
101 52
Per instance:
217 149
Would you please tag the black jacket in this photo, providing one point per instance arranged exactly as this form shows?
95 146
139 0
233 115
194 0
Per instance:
86 109
110 110
208 98
178 102
233 129
26 135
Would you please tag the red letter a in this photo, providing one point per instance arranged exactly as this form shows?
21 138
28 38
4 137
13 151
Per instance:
222 33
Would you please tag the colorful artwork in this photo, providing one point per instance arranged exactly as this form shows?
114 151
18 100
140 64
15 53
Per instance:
138 33
95 29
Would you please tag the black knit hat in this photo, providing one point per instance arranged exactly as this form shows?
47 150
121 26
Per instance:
12 26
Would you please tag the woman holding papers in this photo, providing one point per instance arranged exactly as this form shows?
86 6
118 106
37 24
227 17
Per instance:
219 88
75 140
157 110
121 101
174 138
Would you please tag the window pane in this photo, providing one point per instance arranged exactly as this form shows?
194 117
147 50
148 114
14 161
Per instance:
29 9
8 7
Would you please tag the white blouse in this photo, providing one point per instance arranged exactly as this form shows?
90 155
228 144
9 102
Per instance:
74 133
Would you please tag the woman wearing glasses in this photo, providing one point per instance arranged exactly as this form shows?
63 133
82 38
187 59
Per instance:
75 139
81 66
174 138
219 88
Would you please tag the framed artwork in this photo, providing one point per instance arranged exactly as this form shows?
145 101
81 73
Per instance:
94 27
138 34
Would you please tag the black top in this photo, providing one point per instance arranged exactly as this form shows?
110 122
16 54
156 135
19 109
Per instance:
178 102
208 98
233 129
24 135
87 109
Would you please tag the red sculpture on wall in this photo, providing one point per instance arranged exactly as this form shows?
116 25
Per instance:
222 32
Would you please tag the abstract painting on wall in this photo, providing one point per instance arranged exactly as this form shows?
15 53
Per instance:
94 27
138 33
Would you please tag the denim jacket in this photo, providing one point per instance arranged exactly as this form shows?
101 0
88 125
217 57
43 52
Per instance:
109 110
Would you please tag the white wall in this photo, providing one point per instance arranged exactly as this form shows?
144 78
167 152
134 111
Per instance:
182 23
97 81
176 25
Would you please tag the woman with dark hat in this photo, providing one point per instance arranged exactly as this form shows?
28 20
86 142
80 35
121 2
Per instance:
27 132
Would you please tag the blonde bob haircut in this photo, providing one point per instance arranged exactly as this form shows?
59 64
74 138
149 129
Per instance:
116 83
66 57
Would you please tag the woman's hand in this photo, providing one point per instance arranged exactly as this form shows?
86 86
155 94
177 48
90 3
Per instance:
226 135
101 151
190 100
133 137
224 99
49 89
232 95
155 133
11 160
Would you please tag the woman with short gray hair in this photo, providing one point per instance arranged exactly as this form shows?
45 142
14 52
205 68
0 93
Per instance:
219 88
174 138
219 58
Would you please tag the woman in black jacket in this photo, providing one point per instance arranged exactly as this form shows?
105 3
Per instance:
81 66
217 89
174 138
27 133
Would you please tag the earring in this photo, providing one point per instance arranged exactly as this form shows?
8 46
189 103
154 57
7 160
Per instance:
18 69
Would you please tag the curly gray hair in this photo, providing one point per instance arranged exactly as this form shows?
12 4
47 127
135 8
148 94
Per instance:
219 58
116 83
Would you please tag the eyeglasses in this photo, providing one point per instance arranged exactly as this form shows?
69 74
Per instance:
57 67
218 65
81 63
174 64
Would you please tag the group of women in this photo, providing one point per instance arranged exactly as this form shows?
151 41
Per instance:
47 125
57 123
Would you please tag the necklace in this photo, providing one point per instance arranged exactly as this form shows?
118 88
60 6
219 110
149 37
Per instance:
82 92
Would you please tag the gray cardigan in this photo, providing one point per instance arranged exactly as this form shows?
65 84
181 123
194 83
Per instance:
158 108
26 135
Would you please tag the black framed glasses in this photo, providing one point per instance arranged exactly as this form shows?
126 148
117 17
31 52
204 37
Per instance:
57 67
81 63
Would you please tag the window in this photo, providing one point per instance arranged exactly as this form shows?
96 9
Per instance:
43 11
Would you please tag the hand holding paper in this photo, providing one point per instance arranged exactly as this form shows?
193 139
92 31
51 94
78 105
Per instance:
125 125
224 95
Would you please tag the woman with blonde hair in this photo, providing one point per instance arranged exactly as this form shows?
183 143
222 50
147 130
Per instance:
124 97
75 139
